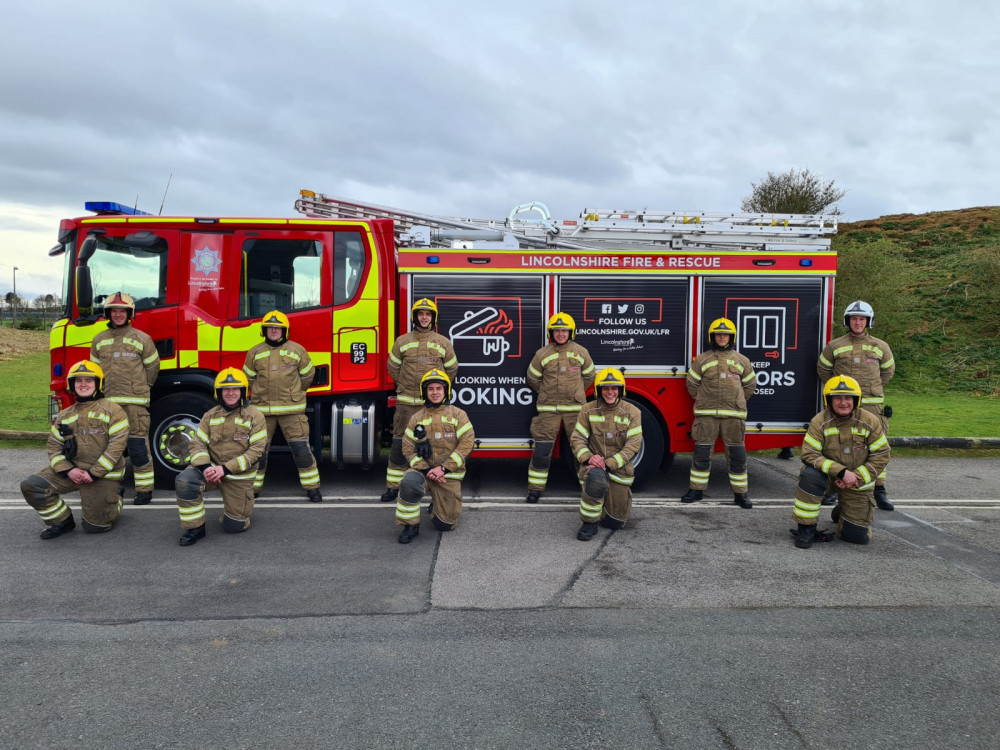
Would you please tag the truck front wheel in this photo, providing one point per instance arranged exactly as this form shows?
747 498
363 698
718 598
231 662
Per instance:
172 421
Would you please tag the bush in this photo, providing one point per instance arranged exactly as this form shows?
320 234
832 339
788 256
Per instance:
32 324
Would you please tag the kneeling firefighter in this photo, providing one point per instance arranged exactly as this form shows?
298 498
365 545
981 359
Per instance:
225 452
844 451
436 444
607 436
86 446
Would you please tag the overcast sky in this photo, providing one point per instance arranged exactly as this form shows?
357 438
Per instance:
463 108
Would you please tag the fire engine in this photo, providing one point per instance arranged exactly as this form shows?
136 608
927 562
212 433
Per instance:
641 285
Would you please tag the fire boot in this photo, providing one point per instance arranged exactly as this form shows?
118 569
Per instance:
389 496
830 499
805 536
742 499
314 496
835 514
142 497
586 532
191 536
51 532
691 496
533 496
409 533
882 499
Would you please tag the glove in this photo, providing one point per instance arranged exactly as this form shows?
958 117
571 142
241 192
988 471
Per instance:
69 445
423 447
887 412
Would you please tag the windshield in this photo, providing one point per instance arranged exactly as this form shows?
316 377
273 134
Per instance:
138 271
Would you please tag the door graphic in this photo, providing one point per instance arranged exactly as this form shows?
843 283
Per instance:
778 328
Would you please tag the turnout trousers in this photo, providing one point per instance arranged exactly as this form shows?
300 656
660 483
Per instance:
607 496
876 409
544 430
397 463
705 431
295 428
856 507
446 498
237 499
100 502
139 454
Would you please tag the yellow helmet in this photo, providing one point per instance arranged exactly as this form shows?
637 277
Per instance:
424 304
722 325
562 322
121 301
435 376
842 385
610 376
231 378
274 319
86 368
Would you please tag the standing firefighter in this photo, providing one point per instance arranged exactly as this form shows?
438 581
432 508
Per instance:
607 436
869 362
437 442
130 363
720 381
560 372
225 452
844 450
413 355
85 448
279 372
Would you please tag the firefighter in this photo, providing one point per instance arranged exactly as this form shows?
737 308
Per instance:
869 361
437 442
720 381
413 355
130 363
607 436
279 372
560 373
844 450
86 446
225 452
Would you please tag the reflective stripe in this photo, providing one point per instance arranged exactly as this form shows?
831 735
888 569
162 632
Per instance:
872 399
279 410
805 509
118 427
591 511
409 400
464 429
826 466
813 442
133 400
258 436
192 513
627 481
720 413
55 511
407 512
459 461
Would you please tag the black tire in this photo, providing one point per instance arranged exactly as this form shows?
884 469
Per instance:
172 419
650 456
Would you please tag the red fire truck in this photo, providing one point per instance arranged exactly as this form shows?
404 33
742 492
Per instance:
641 285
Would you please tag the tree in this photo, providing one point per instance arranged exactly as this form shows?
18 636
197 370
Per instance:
792 192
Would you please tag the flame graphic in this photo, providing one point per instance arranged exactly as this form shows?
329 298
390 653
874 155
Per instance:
499 325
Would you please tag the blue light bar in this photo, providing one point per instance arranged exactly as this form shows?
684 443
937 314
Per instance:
110 207
432 259
805 262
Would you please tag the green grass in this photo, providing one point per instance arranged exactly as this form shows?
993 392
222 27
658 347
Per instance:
943 415
26 393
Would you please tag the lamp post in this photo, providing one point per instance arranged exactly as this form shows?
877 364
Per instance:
14 301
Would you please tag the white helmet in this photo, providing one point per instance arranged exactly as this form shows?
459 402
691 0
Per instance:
859 308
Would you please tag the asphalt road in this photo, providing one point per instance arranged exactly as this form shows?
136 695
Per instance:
695 627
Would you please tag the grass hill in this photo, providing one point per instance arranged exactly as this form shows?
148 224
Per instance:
934 281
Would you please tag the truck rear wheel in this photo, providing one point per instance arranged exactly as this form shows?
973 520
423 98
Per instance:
173 419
